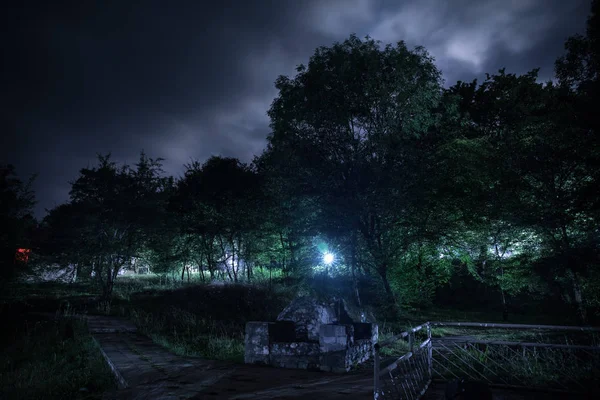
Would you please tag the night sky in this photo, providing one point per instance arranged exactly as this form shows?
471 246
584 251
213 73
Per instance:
186 80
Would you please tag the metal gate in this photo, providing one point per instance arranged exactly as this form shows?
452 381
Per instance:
565 367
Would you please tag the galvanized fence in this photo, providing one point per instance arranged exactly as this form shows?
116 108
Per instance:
408 376
547 366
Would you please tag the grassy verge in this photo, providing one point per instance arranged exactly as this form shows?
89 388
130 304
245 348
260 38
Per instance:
455 315
516 335
46 359
187 334
208 320
534 367
203 320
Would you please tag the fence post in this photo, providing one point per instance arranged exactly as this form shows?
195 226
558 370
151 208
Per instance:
429 352
376 371
411 341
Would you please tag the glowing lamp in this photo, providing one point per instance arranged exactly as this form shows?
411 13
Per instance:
328 258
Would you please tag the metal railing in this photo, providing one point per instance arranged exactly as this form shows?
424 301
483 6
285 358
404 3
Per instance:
563 367
408 376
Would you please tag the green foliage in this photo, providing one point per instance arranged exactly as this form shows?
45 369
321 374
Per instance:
485 191
108 219
419 273
350 134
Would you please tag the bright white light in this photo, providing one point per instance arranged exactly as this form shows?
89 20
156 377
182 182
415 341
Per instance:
328 258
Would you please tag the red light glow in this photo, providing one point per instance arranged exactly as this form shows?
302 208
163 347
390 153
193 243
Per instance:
22 255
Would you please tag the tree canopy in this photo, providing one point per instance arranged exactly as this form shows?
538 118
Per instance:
486 190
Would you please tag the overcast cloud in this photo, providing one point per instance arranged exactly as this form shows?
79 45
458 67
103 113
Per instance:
185 80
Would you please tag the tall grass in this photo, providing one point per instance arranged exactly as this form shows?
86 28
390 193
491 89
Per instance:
566 369
187 334
205 320
50 359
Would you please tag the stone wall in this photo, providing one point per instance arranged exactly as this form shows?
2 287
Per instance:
311 334
301 355
340 347
256 343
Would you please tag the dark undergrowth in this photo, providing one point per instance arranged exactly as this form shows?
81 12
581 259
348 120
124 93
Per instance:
208 320
204 320
41 358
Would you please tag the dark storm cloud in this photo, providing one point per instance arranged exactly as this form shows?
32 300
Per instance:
186 79
469 38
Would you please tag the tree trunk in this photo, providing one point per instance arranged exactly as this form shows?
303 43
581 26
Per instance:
504 306
577 294
115 271
353 266
228 272
283 269
200 268
386 283
211 266
575 280
235 272
111 273
107 287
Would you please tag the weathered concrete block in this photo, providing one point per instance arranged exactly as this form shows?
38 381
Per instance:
333 338
295 348
334 361
294 355
256 343
331 330
311 334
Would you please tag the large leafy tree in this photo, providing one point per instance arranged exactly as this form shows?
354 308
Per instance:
218 204
578 74
350 132
109 218
532 168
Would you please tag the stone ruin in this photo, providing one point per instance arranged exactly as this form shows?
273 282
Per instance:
311 334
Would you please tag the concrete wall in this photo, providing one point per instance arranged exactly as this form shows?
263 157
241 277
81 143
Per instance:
301 355
337 350
256 343
340 350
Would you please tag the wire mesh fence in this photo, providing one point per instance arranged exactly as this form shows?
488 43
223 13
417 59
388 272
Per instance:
561 367
566 367
409 376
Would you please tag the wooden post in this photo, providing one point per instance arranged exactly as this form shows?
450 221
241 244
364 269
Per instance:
411 341
376 392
